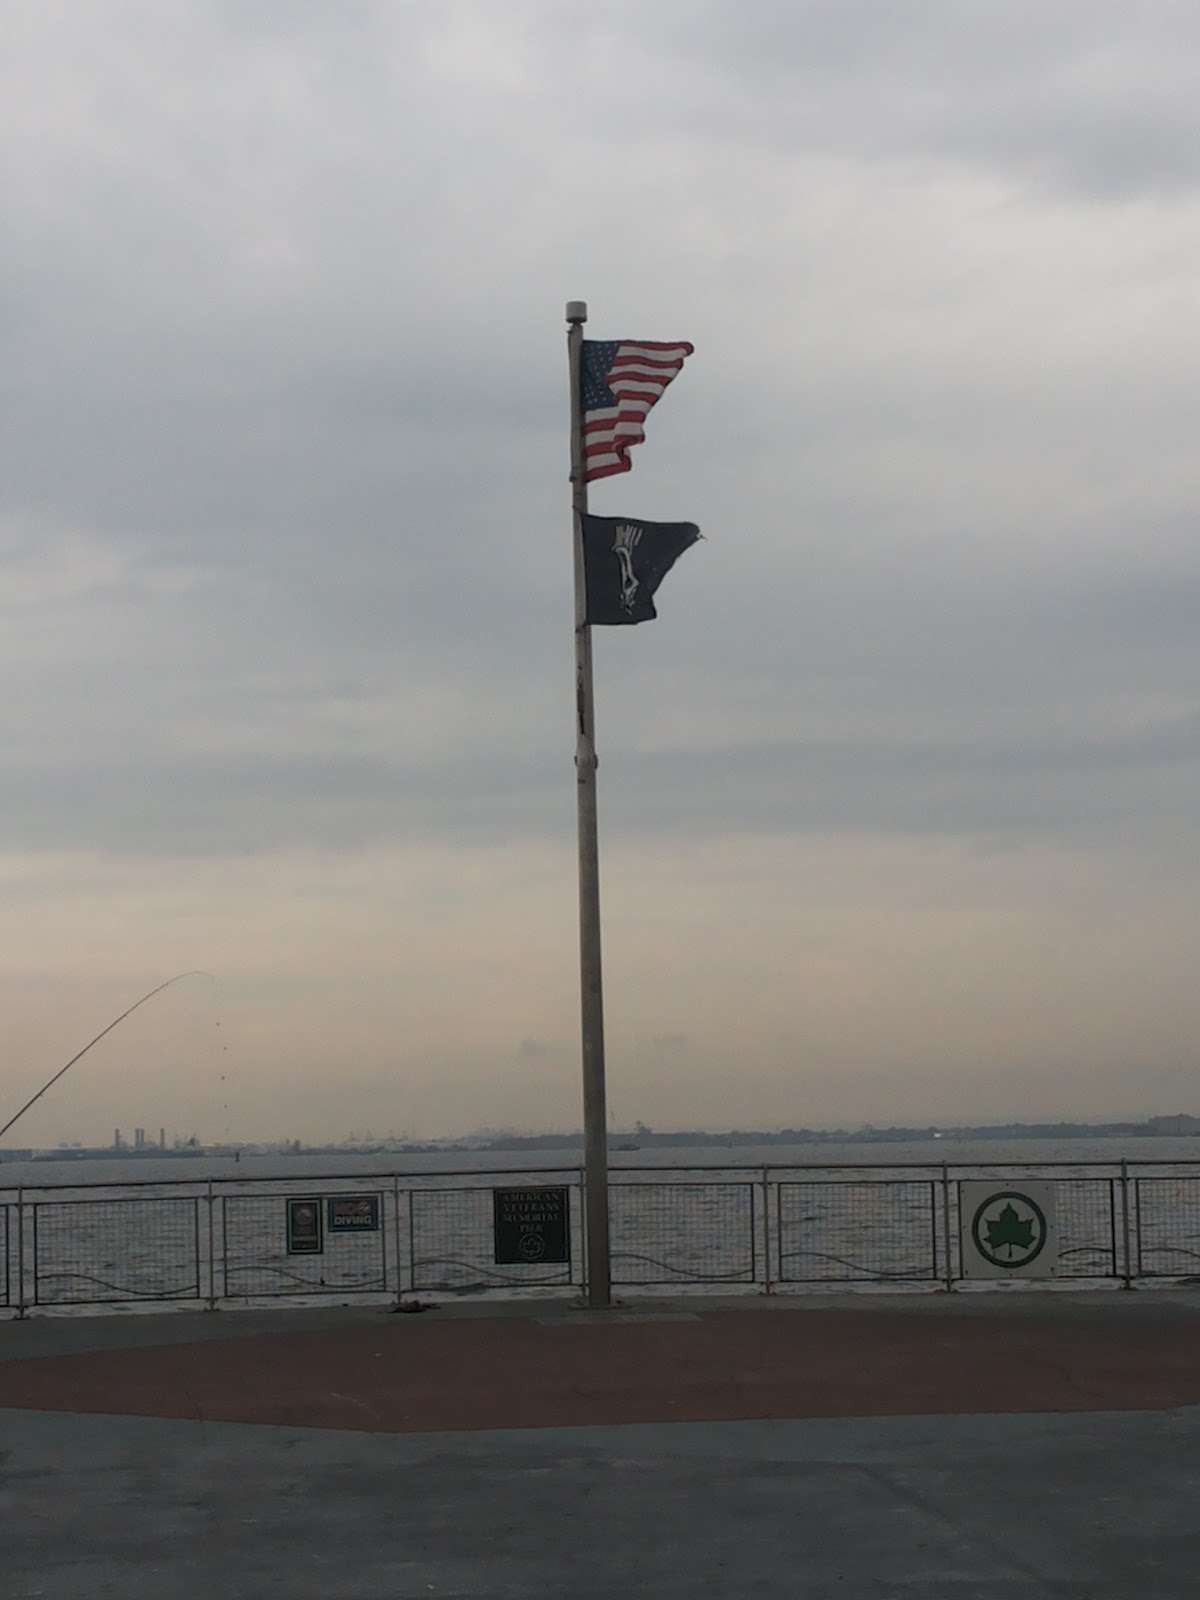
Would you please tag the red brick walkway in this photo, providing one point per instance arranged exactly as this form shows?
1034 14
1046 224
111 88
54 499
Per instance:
407 1374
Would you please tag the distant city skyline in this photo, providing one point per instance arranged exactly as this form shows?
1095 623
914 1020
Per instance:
1166 1124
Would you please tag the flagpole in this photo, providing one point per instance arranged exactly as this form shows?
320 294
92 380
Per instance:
595 1117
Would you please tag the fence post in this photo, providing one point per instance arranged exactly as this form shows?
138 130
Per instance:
948 1260
1128 1273
396 1225
20 1252
766 1211
583 1255
412 1240
212 1258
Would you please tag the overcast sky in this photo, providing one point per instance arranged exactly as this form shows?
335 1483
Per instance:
899 796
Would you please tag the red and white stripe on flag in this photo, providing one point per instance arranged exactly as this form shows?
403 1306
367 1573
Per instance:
618 398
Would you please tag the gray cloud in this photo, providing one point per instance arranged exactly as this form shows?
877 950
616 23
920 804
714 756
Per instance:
284 548
1094 101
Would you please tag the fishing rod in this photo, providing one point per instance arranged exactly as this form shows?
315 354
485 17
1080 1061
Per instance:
79 1056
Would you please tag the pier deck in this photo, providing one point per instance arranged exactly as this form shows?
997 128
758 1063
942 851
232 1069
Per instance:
1032 1444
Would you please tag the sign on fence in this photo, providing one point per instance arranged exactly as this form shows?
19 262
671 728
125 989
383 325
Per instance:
304 1228
531 1225
353 1213
1007 1232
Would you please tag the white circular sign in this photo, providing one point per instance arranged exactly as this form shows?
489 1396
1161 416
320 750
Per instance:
1009 1229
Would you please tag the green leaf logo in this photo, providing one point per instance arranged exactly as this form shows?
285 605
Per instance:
1008 1229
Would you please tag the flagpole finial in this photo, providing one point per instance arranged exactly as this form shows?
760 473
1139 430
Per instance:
576 310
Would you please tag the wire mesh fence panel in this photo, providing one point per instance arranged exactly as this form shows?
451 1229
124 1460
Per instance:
683 1233
286 1243
846 1230
1086 1210
1166 1226
99 1251
457 1237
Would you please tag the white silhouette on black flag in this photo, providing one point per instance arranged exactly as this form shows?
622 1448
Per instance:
625 560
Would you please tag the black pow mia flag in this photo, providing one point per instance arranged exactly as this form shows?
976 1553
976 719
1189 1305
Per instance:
625 560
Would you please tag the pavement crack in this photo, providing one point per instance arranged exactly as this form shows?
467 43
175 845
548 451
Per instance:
351 1400
996 1547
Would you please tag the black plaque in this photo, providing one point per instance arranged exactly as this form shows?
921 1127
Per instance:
353 1213
532 1226
304 1233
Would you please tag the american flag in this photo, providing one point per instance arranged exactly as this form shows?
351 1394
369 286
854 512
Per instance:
622 380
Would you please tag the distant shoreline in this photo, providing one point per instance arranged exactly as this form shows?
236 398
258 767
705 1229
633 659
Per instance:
642 1138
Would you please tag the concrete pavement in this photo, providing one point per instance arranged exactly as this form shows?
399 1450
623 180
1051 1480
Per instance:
1096 1503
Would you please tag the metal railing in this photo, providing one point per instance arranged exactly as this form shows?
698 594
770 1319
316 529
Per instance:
391 1234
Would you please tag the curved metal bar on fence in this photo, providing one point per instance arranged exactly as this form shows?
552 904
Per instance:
678 1275
115 1292
858 1271
300 1284
492 1279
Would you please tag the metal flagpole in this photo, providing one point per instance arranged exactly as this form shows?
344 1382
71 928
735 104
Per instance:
595 1117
